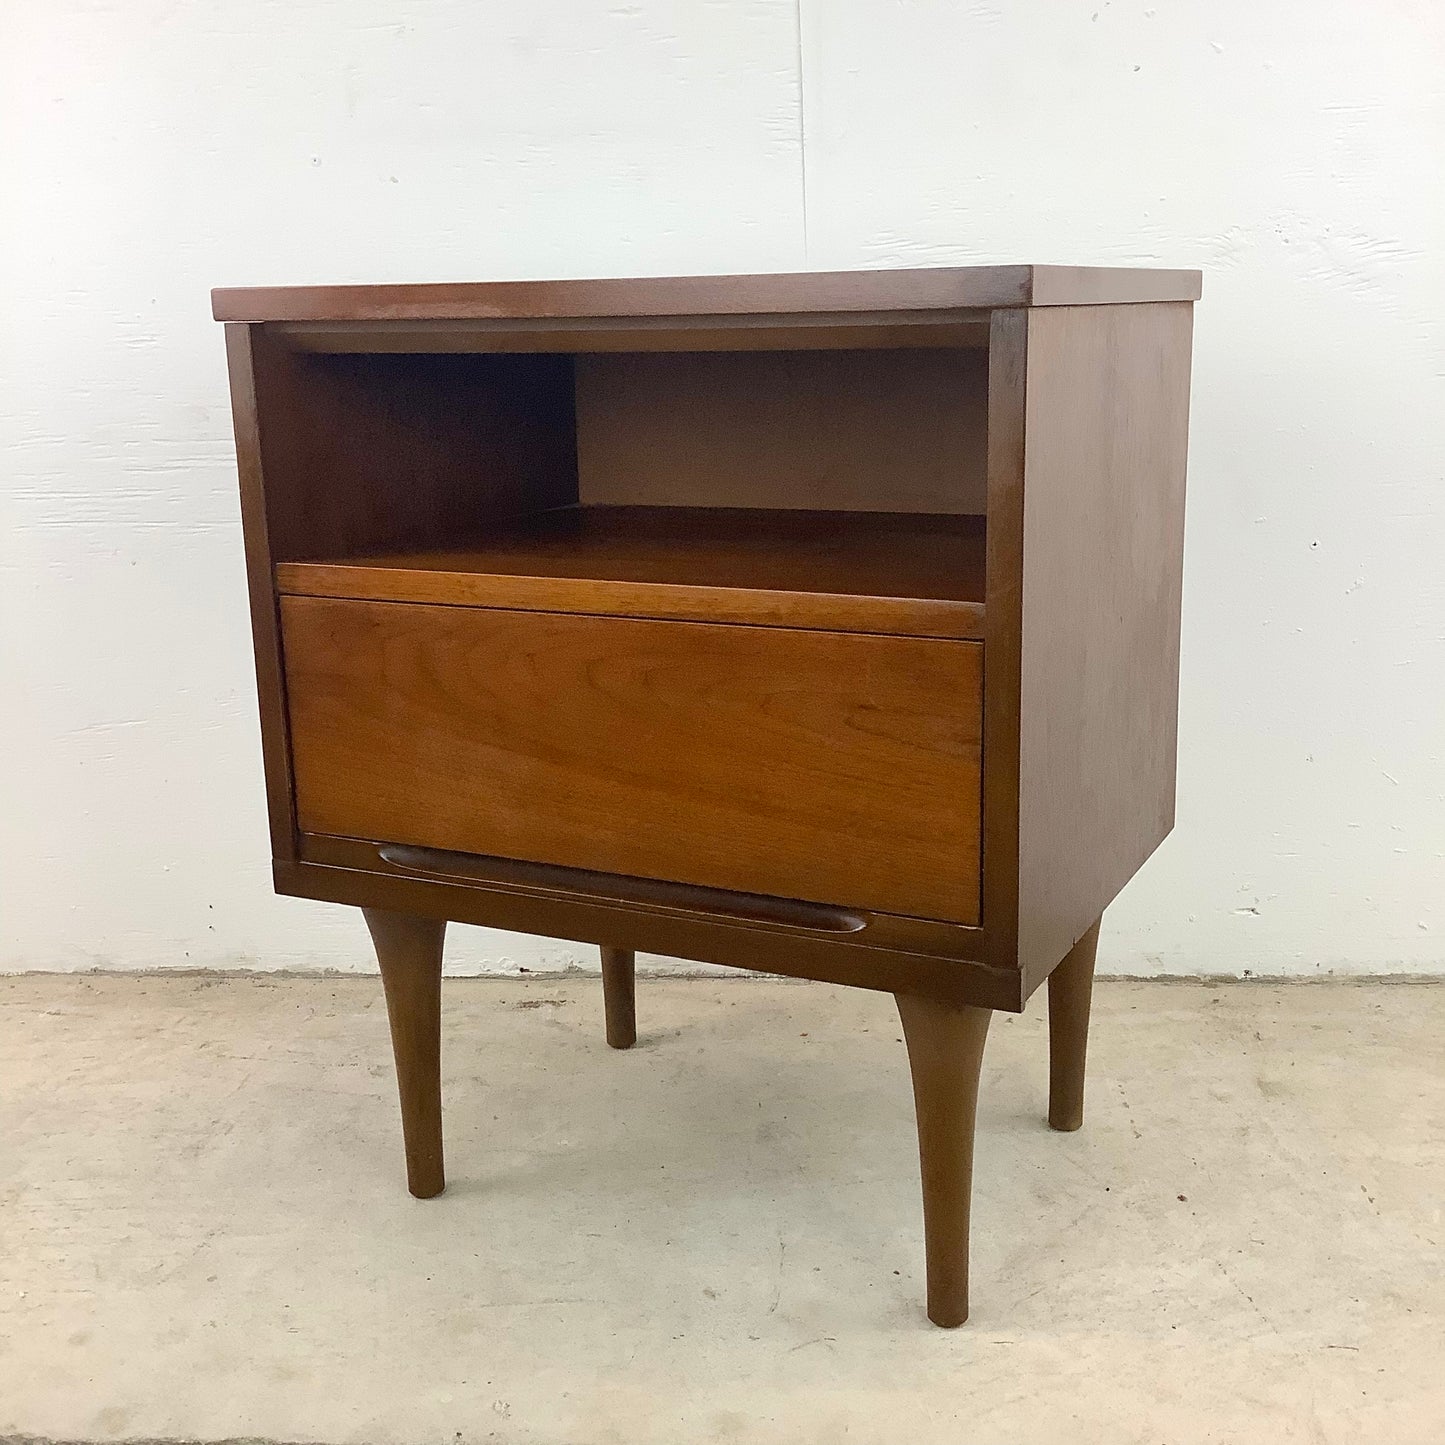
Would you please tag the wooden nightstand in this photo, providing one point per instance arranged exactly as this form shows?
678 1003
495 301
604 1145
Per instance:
820 624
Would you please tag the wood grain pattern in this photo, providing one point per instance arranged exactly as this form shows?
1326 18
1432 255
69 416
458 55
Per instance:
1098 622
915 289
896 431
825 766
840 571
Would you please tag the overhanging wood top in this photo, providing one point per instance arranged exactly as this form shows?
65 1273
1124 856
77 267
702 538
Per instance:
893 294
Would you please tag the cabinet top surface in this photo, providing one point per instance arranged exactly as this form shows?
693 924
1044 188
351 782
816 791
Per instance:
952 288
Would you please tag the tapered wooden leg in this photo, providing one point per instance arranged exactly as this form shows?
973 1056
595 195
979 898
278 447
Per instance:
619 996
409 950
1071 987
945 1050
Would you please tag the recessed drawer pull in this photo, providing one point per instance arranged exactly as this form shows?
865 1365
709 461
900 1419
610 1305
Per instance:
548 877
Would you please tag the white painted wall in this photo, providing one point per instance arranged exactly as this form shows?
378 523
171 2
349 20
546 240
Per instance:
154 148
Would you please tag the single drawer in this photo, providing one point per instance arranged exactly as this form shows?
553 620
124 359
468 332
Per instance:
830 766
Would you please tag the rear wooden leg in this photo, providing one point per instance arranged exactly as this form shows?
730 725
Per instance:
409 950
945 1050
619 996
1071 987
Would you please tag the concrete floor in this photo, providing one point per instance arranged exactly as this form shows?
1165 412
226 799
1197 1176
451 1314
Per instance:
204 1232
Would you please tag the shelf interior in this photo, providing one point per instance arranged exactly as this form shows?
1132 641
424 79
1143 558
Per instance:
916 574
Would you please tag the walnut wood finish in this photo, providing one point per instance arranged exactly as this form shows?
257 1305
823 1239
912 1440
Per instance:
677 335
619 996
409 950
366 453
1108 401
871 430
945 1052
694 297
1071 990
765 760
916 576
1087 436
883 951
242 345
763 738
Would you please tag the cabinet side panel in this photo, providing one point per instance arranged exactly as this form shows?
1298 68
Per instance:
260 581
1107 404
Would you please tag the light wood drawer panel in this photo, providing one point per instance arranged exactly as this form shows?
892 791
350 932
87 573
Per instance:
834 767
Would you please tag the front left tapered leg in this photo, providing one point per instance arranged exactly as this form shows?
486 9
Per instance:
945 1052
409 950
619 996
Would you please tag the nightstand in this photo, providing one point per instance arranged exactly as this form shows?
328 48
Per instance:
821 624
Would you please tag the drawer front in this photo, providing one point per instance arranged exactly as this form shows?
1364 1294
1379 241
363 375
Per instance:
834 767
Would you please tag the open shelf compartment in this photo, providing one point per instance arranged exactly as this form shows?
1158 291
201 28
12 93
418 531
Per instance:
841 490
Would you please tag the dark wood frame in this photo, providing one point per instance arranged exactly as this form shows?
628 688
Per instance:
1088 379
